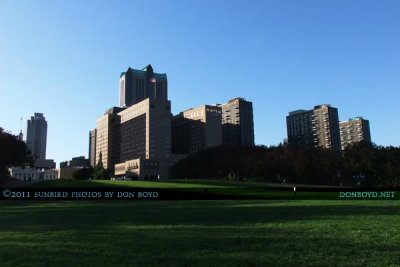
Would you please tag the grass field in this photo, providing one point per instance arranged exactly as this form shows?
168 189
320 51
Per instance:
200 233
253 190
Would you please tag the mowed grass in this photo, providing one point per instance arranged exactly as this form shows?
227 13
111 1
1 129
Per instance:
224 189
200 233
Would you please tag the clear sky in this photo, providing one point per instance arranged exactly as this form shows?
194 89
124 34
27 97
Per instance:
64 58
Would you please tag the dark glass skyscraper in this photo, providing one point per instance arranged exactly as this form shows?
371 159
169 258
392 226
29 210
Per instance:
137 85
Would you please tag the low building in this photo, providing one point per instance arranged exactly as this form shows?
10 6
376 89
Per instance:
32 174
67 173
50 174
75 162
45 164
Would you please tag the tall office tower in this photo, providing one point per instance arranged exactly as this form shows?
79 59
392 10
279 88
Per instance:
318 127
145 139
107 138
36 136
92 147
237 122
196 129
353 131
137 85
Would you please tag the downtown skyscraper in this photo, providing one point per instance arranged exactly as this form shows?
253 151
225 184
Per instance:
36 135
137 85
134 140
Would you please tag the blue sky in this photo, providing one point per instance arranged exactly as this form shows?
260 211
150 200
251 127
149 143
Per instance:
64 58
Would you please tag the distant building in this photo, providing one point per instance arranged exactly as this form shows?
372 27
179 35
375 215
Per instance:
107 138
137 85
36 136
50 174
354 131
237 122
326 127
45 164
67 172
21 136
75 162
318 127
145 138
196 129
139 133
33 174
92 147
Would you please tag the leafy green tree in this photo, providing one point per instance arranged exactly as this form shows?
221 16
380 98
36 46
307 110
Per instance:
100 173
13 152
83 174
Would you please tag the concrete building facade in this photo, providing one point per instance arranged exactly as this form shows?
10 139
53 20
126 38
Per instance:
196 129
237 122
140 133
107 138
353 131
36 135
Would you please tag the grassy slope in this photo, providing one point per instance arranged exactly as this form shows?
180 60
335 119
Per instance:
200 233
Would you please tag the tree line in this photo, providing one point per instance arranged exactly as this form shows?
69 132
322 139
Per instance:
359 164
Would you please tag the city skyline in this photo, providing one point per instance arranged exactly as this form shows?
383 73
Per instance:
64 60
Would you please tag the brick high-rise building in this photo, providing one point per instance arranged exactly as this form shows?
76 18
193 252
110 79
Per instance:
196 129
318 127
237 122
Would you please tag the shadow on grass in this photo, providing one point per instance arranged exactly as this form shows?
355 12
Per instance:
18 215
200 233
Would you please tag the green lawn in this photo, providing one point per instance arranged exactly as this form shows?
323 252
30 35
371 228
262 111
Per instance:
200 233
225 189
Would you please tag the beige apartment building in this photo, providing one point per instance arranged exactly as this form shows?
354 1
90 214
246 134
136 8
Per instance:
107 145
136 136
196 129
353 131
